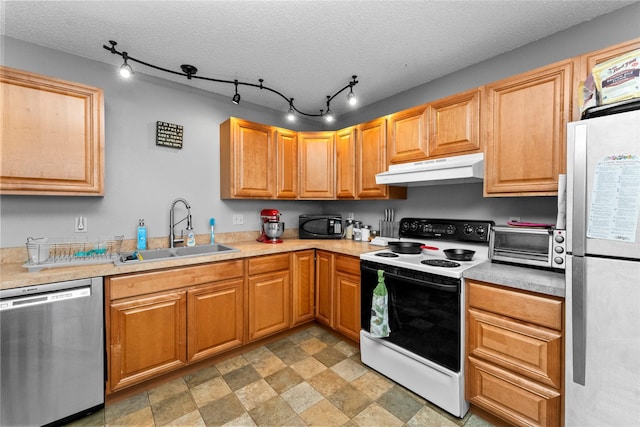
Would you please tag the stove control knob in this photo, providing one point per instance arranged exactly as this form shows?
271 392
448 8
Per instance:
404 226
468 229
480 230
558 260
558 249
451 229
413 226
559 238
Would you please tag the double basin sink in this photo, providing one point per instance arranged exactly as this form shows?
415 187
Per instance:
169 253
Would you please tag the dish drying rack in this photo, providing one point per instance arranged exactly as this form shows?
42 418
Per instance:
59 252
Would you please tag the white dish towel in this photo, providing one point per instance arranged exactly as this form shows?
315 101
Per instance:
379 327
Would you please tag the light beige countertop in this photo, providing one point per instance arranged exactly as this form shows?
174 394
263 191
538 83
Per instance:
524 278
14 275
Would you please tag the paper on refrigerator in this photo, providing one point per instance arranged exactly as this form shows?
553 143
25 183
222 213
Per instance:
615 199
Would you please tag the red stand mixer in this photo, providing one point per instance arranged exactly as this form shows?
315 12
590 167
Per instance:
271 228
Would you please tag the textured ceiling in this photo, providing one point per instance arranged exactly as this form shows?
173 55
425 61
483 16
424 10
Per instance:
304 49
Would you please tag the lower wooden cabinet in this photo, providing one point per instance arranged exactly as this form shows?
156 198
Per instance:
302 287
162 320
515 354
338 293
347 296
215 318
147 338
269 308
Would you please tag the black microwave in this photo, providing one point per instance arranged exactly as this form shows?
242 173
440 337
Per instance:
323 226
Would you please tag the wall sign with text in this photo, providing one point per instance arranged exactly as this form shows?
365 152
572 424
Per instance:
168 135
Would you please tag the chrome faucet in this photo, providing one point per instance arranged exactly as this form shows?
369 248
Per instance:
172 224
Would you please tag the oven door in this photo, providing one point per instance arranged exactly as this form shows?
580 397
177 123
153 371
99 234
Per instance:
424 311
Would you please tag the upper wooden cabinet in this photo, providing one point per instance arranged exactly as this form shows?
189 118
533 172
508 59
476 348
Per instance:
316 157
525 118
52 139
447 127
591 59
371 158
286 164
247 160
346 163
454 124
407 140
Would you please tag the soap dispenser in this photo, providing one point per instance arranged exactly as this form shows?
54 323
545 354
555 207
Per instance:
191 237
142 236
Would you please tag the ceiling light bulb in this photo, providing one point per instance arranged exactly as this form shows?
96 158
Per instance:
351 98
328 116
125 68
291 115
125 71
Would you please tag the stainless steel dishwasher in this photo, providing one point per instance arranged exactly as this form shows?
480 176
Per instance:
52 352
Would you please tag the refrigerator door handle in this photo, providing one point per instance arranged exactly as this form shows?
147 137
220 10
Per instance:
579 319
579 183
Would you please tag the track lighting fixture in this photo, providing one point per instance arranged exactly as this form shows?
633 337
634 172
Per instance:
291 115
328 116
236 97
125 69
351 98
189 71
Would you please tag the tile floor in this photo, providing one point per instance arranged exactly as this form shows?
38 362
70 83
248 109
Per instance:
311 378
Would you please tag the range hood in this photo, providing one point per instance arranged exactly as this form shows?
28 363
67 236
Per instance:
449 170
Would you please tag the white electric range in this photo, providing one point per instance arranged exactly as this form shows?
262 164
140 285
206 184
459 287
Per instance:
425 348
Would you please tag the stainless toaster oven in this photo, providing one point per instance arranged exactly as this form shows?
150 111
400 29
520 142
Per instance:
528 246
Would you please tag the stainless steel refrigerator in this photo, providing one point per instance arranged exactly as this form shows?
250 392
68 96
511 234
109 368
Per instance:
602 317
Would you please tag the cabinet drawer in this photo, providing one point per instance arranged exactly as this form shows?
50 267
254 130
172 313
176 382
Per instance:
348 264
541 310
527 350
157 281
265 264
511 397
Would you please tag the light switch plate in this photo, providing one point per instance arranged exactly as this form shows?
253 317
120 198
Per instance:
81 224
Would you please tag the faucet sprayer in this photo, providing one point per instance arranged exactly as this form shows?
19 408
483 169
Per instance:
172 224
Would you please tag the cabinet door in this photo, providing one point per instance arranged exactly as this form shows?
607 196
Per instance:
371 158
324 287
407 140
269 308
454 125
346 163
526 117
147 338
302 287
247 160
317 165
347 296
286 164
52 136
215 318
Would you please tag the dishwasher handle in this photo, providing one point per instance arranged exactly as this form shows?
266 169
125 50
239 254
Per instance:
44 298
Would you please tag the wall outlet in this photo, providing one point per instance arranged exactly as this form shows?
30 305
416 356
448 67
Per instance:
238 219
81 224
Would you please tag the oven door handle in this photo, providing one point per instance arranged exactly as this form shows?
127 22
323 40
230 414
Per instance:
439 286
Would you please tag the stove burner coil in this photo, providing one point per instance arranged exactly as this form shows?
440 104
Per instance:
440 263
387 255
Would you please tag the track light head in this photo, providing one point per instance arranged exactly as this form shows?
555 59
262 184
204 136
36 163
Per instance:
236 97
351 98
328 116
291 115
125 69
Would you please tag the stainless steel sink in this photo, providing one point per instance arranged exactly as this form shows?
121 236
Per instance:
181 252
